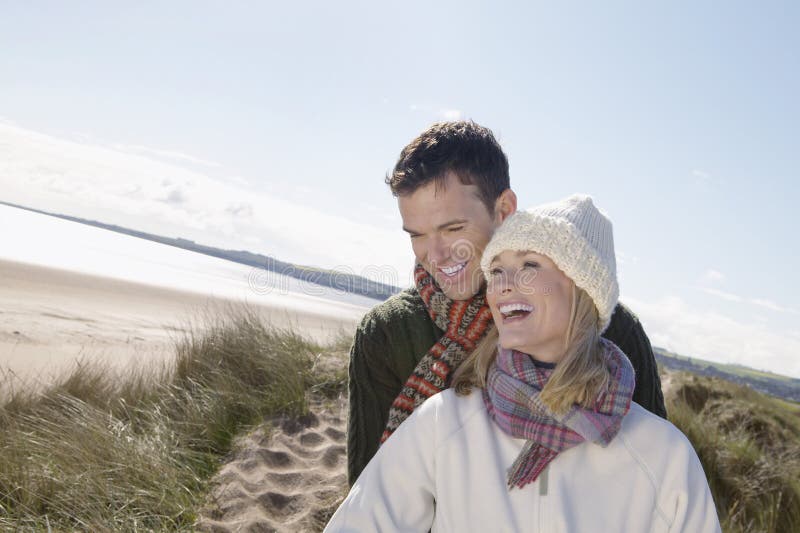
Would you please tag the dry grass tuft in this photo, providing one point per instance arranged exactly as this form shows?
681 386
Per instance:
99 451
749 445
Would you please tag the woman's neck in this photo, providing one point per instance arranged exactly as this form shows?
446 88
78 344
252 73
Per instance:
542 364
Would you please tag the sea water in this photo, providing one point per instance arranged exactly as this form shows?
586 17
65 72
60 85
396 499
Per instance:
39 239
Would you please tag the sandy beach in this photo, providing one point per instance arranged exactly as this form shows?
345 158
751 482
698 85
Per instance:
49 318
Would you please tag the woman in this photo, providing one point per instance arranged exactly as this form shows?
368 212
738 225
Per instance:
538 432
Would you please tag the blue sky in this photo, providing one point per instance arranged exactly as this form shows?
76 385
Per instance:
270 127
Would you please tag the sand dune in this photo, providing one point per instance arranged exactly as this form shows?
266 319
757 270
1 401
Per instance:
287 475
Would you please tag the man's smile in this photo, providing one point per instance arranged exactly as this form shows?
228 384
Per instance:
451 271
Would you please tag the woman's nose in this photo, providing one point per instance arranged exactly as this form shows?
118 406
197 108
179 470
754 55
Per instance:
506 286
502 284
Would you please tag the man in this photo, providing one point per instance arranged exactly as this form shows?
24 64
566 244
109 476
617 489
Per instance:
453 191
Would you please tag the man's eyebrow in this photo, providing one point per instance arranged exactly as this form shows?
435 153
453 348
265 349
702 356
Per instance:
440 226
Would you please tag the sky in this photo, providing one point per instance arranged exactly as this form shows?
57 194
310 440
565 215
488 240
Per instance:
270 127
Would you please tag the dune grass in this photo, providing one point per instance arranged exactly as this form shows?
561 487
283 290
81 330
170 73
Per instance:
100 451
749 444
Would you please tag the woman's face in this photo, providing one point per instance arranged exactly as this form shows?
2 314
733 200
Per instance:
531 302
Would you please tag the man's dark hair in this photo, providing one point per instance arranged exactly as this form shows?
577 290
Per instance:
463 147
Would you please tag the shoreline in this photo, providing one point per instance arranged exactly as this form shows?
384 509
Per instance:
50 318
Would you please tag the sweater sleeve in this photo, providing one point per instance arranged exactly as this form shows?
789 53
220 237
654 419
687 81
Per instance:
685 494
626 332
396 490
372 382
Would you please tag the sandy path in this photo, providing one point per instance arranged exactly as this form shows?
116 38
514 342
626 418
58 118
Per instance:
49 318
285 476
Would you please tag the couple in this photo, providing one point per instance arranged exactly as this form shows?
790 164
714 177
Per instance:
543 424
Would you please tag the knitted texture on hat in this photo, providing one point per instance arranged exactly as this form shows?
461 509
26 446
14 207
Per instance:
576 236
464 322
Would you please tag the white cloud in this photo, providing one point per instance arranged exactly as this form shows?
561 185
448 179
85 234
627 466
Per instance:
238 180
164 154
722 294
760 302
624 257
713 276
706 178
450 114
443 113
672 324
769 304
137 191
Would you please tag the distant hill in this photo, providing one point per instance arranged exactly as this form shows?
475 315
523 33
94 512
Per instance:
765 382
334 279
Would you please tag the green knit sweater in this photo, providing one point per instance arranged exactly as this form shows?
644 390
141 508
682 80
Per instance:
394 336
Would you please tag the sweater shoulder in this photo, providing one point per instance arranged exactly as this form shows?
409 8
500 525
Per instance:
655 443
669 461
622 321
452 412
641 427
405 306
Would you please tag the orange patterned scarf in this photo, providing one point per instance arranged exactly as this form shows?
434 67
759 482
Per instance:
464 322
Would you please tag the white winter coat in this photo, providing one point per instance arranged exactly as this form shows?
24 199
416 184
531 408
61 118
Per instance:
444 469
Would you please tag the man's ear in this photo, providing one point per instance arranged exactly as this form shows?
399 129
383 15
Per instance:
505 205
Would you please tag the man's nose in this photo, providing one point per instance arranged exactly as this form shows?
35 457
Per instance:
438 250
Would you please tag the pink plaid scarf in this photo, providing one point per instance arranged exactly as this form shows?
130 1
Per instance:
512 398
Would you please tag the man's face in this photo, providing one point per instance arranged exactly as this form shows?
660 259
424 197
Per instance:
449 227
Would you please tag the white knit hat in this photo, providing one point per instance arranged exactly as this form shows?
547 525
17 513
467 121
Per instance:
576 236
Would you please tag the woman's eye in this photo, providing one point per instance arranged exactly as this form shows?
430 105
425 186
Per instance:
495 271
531 264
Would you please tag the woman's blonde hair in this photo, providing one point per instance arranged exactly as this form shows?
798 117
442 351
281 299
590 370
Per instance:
578 378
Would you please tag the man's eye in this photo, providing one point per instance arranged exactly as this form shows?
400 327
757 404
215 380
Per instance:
455 228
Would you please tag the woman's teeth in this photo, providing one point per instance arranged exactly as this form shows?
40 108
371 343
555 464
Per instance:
515 310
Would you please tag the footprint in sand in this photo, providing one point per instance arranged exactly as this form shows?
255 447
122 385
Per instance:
290 478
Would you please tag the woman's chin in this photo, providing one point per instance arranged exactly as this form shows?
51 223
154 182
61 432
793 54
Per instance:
510 343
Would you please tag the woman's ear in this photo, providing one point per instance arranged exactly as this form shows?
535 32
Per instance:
505 206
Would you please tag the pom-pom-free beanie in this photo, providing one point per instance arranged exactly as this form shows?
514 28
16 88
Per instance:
576 236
